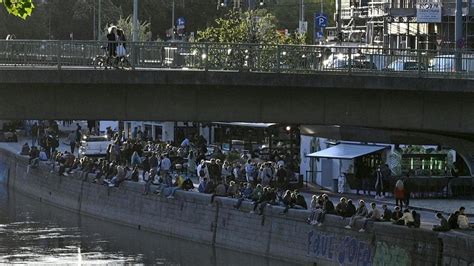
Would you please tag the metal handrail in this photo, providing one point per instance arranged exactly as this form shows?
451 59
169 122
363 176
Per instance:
270 58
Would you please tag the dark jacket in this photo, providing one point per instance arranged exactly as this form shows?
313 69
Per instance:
443 227
329 207
341 209
300 200
387 215
351 210
112 45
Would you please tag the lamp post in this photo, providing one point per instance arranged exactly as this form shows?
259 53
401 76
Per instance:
135 21
458 35
172 20
99 21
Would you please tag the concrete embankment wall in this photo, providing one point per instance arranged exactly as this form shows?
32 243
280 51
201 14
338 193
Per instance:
287 237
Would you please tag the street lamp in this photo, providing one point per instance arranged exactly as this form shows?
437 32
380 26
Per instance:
135 21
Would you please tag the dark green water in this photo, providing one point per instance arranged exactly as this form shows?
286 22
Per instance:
34 232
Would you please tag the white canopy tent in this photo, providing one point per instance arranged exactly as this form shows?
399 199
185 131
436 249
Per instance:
346 151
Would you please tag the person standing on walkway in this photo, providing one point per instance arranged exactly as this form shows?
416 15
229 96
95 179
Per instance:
34 134
165 168
378 183
72 141
399 193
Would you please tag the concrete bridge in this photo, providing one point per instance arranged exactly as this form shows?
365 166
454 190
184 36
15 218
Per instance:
429 104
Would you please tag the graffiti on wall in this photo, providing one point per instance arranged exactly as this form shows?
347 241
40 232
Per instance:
344 251
390 255
448 261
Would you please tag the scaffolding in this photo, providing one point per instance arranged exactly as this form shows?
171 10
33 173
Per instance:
393 24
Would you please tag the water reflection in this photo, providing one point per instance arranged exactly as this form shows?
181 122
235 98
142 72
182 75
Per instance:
33 232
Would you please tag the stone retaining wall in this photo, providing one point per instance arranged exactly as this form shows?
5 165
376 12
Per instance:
190 216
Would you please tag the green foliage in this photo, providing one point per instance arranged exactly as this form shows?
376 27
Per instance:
144 33
19 8
255 26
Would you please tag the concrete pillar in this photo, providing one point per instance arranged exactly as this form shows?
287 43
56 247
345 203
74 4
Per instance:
153 131
126 129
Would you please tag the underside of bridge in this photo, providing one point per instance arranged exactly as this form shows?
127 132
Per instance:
389 102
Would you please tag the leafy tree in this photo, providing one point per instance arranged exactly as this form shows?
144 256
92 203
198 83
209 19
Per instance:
144 33
19 8
255 26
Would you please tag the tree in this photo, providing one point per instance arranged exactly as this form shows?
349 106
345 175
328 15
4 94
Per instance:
255 26
19 8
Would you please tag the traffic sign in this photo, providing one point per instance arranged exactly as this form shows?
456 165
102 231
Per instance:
321 20
180 21
319 35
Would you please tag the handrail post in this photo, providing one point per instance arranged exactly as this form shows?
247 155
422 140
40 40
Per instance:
418 54
59 53
205 57
134 54
278 58
349 60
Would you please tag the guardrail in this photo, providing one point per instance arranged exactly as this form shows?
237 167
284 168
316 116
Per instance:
243 57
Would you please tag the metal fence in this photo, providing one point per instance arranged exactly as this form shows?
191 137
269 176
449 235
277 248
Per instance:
243 57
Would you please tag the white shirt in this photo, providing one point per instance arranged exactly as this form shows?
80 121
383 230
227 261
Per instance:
463 222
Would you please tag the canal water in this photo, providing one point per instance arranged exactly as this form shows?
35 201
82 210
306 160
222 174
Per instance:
34 232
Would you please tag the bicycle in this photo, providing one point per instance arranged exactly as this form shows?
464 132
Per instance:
106 61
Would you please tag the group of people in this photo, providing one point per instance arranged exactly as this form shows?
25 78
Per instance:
457 220
322 205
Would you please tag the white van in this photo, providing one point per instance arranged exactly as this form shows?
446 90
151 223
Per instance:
94 146
446 63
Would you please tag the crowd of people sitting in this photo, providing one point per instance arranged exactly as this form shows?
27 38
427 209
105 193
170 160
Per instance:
168 168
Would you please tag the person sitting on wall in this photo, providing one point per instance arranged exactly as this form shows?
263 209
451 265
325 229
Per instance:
407 219
351 209
34 156
300 201
288 201
232 190
341 207
316 206
328 208
387 213
42 155
463 221
202 185
453 220
396 214
25 149
220 191
374 215
417 218
360 214
245 194
443 226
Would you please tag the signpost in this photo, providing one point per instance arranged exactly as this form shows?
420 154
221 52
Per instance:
320 23
180 26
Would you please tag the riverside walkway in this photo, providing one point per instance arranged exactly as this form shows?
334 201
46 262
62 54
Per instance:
427 208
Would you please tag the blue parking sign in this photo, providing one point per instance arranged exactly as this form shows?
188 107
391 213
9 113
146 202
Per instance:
320 20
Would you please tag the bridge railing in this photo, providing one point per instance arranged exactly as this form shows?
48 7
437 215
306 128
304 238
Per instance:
242 57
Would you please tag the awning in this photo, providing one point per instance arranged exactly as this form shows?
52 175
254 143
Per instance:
346 151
